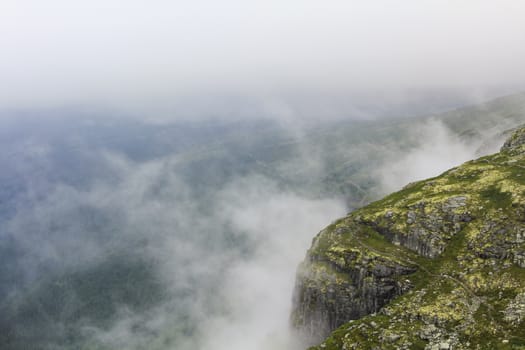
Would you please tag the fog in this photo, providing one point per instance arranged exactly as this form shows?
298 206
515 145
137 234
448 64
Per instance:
225 261
174 59
164 165
437 150
188 236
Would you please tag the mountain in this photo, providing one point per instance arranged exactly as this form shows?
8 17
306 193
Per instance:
437 265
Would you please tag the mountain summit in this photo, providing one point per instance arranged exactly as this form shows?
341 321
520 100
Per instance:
437 265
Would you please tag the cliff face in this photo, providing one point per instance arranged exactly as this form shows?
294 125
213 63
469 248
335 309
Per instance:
438 265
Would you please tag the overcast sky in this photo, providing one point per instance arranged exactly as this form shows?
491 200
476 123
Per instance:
130 53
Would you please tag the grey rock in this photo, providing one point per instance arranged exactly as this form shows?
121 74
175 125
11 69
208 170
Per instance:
444 346
392 337
515 141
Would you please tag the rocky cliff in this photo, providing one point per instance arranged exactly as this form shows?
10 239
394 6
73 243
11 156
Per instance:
437 265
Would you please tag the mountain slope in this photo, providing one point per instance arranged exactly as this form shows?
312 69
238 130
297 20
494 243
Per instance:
438 265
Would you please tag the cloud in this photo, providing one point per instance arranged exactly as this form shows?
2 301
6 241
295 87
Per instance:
282 224
434 149
225 259
174 58
223 248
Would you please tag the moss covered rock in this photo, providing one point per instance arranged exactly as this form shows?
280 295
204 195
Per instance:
437 265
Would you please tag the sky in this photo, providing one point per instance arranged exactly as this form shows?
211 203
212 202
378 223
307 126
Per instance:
199 56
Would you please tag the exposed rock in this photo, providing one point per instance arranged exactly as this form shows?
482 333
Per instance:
516 141
515 311
444 346
391 338
362 283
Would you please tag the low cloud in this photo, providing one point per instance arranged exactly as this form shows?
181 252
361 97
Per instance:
218 250
226 261
435 148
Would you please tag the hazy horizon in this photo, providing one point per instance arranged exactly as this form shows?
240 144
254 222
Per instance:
300 59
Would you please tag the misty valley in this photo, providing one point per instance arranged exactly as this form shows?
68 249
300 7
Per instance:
116 233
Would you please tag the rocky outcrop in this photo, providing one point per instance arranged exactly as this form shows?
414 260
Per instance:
515 142
345 284
438 265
